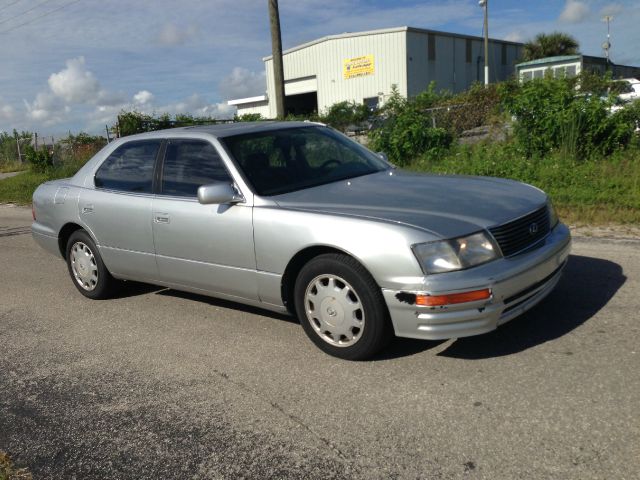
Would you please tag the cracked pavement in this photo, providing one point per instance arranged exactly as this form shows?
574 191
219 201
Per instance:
163 384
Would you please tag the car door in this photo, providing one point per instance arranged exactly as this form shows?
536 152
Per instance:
203 247
117 212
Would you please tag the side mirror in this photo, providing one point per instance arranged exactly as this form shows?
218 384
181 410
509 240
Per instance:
383 156
217 193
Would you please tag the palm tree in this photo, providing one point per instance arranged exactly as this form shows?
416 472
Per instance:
550 45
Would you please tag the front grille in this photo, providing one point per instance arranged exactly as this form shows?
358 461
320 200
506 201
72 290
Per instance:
515 236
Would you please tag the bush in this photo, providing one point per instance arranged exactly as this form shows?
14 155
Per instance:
344 114
248 117
551 115
39 160
408 135
407 132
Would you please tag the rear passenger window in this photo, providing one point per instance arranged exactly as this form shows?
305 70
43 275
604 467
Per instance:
129 168
189 164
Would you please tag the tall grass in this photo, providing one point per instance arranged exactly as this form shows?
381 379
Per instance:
598 190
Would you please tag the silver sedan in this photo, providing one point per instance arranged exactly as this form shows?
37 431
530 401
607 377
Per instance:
295 217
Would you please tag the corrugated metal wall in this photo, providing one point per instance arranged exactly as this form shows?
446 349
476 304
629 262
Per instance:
451 68
324 60
401 57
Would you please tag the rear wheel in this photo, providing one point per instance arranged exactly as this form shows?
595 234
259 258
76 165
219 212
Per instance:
341 307
89 275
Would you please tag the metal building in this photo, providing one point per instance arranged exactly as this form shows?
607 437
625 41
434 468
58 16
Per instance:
362 67
572 65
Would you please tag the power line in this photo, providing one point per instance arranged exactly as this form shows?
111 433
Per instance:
39 16
9 5
24 13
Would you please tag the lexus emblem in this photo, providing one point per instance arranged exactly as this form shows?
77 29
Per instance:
533 228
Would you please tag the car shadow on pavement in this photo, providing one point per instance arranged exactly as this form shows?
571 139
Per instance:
405 347
218 302
133 289
586 286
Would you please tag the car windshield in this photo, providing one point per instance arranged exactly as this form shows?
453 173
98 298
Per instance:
290 159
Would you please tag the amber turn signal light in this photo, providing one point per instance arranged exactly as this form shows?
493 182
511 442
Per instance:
453 298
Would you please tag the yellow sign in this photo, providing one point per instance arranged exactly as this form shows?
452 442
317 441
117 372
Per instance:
358 67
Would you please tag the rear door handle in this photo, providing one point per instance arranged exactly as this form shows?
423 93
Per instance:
161 218
87 208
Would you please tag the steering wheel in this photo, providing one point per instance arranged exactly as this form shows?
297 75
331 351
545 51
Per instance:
329 162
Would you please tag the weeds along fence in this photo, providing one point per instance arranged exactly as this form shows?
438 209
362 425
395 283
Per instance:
14 148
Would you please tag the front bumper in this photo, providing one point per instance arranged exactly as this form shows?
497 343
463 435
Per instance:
517 283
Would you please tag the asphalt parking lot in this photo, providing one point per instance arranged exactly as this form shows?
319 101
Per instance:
162 384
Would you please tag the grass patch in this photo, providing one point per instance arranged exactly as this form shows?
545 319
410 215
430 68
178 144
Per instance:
596 191
9 472
13 167
19 189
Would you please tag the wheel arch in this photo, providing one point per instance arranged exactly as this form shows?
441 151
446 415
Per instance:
297 262
65 232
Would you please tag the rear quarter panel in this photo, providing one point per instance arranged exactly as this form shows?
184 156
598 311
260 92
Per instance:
55 204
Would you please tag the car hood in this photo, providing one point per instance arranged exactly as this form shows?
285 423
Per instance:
444 205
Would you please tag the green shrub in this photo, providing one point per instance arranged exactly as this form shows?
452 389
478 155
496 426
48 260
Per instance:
343 114
248 117
552 115
407 131
39 160
408 135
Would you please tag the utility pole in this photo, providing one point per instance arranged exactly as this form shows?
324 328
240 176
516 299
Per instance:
276 50
607 45
485 5
18 145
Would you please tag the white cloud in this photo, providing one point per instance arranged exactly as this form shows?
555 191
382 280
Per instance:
574 12
7 112
612 9
242 83
143 97
46 109
514 37
75 84
199 106
172 35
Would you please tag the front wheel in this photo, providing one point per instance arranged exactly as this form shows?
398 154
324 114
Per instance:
88 272
341 307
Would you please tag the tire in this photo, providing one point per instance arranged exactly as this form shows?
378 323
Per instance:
341 307
86 268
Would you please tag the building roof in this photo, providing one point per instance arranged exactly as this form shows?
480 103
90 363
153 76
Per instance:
572 58
242 101
383 31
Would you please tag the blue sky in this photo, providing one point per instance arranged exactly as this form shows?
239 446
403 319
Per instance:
73 64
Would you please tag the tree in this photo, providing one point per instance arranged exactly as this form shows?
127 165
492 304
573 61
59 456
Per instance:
550 45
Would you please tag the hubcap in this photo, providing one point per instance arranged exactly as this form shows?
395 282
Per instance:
83 266
334 310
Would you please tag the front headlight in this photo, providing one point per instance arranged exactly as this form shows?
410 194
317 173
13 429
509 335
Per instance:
457 254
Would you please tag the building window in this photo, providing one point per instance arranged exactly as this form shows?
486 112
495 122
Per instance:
504 54
571 71
469 51
431 47
526 76
538 73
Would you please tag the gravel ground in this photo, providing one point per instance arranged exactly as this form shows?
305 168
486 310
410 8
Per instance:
162 384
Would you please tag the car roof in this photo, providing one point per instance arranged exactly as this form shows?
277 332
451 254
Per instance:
221 130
